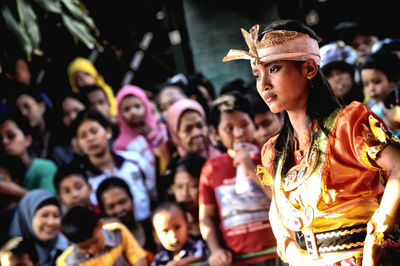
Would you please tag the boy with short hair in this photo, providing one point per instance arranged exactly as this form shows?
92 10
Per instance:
73 187
96 243
19 251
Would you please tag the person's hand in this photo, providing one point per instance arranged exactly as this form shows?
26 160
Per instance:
372 251
297 256
242 154
220 257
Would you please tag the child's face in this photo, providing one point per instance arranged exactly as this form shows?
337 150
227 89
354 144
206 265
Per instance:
340 81
376 84
171 229
193 132
92 137
95 244
133 110
46 222
186 189
12 139
71 107
74 190
98 100
363 44
168 97
235 127
9 259
117 203
31 109
266 125
83 79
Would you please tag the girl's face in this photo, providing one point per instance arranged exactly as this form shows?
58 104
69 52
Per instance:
171 229
133 110
340 81
186 189
169 96
83 79
235 127
98 99
93 138
282 85
12 139
71 108
46 222
266 125
74 190
31 109
193 132
376 84
117 203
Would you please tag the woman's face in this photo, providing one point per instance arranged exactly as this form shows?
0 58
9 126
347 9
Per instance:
340 81
71 108
92 137
133 110
376 84
168 97
117 203
31 109
193 132
186 189
46 222
83 79
235 127
12 139
282 85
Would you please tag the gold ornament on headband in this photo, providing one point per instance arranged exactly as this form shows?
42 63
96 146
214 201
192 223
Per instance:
277 44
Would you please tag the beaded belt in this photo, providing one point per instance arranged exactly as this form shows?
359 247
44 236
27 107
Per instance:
341 239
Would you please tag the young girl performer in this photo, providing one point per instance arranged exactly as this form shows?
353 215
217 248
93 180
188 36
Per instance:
324 166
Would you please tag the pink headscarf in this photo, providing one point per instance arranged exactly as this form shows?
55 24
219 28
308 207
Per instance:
127 132
172 117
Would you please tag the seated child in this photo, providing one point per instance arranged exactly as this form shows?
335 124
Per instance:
73 187
186 188
171 228
97 244
19 251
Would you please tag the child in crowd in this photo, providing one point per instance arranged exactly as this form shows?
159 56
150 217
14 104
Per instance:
15 139
230 199
38 217
338 65
96 243
186 188
72 187
171 228
168 94
19 251
139 129
92 132
266 123
81 72
379 73
94 96
116 203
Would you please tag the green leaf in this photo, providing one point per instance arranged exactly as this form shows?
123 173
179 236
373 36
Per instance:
53 6
75 8
79 30
29 21
14 26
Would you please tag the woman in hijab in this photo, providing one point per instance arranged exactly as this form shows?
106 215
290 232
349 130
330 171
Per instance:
38 217
82 72
189 133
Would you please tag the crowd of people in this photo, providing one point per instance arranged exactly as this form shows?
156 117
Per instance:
257 174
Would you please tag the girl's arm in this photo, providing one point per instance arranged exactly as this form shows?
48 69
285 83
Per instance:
210 233
388 213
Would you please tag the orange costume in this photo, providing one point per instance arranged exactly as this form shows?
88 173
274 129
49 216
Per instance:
334 186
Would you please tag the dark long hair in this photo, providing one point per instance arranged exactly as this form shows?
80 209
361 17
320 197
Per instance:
321 101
